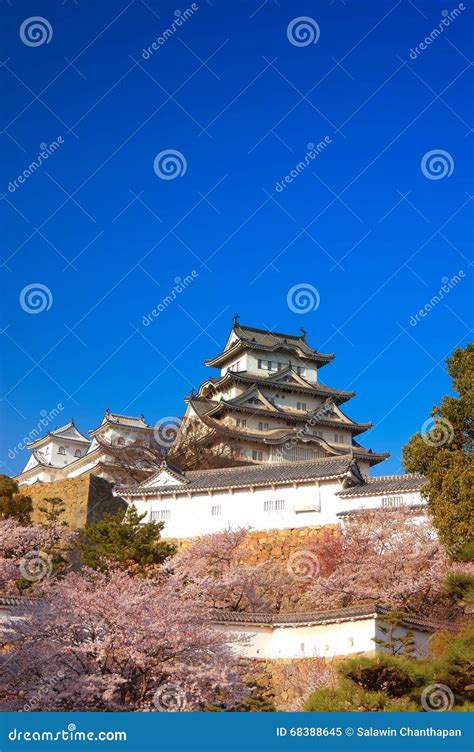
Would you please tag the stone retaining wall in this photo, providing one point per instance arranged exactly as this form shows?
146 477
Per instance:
86 498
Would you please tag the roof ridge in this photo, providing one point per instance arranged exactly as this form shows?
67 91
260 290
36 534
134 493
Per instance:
374 478
269 331
312 461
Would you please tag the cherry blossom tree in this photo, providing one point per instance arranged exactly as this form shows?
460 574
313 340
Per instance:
29 553
387 556
110 642
216 570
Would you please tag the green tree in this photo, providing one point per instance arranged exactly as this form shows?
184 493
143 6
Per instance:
12 503
123 540
53 509
402 643
443 453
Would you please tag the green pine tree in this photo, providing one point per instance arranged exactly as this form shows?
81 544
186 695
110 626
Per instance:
123 540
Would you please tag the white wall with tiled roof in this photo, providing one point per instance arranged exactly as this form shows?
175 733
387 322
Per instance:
345 637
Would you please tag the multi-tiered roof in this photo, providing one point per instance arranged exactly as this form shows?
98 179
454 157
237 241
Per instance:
268 404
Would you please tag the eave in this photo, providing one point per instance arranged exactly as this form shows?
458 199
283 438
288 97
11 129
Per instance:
320 359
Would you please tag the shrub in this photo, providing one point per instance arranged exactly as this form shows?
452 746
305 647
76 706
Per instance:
348 696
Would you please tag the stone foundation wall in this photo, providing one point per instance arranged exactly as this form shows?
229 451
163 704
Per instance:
288 683
271 544
86 498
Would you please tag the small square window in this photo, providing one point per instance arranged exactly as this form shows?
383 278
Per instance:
216 510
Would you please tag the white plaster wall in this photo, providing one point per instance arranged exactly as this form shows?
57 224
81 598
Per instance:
249 362
372 502
306 505
191 516
310 641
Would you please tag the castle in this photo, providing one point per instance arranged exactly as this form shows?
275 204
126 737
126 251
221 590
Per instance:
296 465
296 461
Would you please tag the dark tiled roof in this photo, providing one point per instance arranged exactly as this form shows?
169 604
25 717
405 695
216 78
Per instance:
386 484
267 338
315 617
262 339
249 475
318 389
204 406
280 436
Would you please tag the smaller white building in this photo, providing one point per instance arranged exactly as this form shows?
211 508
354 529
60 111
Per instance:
323 634
67 453
265 497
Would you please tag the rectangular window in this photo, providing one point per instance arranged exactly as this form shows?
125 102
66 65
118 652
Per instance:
392 501
300 370
256 455
216 510
259 363
268 506
241 422
279 366
263 426
301 405
279 505
160 515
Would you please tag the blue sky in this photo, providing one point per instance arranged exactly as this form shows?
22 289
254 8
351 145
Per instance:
363 223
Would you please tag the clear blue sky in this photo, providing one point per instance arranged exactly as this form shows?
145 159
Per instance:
107 236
